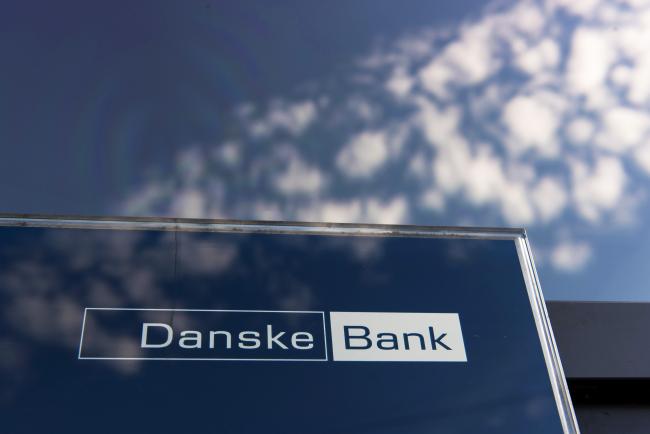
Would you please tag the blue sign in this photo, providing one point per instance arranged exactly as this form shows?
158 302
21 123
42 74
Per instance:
167 326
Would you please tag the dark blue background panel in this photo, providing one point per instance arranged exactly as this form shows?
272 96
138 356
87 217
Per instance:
49 276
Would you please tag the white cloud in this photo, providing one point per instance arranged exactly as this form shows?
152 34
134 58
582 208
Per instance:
550 198
516 205
228 153
639 83
265 210
570 256
473 56
636 3
600 189
191 165
415 46
521 171
392 211
468 60
400 82
621 75
188 203
584 8
439 126
361 108
580 130
336 211
435 77
299 178
294 118
591 56
527 18
144 200
245 110
433 199
642 157
471 131
483 178
363 155
396 138
623 128
449 166
541 57
532 124
418 166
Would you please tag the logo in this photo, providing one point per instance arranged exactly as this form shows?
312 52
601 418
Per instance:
259 335
187 334
397 337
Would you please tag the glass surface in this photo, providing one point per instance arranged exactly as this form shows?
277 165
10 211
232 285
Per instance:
48 277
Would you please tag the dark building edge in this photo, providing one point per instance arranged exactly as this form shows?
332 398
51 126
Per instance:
605 352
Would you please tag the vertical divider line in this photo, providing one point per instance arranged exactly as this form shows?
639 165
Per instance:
83 328
174 279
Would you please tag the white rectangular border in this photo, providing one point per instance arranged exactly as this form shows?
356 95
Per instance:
86 309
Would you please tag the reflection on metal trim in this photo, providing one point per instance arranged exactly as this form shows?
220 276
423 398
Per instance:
549 348
252 226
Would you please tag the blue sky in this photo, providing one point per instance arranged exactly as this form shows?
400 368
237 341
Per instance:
532 114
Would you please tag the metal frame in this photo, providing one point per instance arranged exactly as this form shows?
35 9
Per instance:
545 332
252 226
538 306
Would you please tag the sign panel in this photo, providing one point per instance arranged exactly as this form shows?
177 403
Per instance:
252 327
